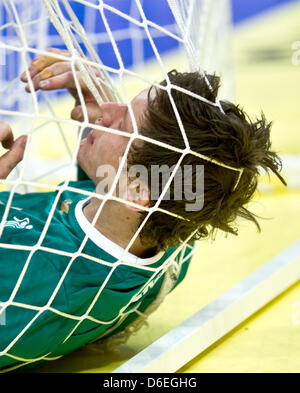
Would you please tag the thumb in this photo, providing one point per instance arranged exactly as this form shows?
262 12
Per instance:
10 159
93 111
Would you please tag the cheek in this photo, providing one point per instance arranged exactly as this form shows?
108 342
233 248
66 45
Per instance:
115 145
121 146
108 149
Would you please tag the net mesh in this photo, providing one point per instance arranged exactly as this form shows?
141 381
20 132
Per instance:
85 28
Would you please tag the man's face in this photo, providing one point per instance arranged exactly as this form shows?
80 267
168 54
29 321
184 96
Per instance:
105 148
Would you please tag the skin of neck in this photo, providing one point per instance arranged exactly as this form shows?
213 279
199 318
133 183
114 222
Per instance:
119 224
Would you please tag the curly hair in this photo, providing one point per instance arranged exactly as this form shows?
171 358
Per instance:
230 137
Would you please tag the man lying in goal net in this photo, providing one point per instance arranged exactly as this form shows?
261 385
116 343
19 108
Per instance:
122 238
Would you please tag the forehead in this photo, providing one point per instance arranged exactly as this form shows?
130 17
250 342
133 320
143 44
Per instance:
139 103
142 96
139 106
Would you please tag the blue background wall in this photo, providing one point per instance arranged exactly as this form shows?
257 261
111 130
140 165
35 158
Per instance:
155 10
159 12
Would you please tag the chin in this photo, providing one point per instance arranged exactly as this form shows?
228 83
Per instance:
82 153
86 163
82 162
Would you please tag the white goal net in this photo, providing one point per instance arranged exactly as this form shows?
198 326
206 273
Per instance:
119 39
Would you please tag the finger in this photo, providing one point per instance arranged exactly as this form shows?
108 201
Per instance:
10 159
49 72
6 135
65 80
38 65
93 111
43 61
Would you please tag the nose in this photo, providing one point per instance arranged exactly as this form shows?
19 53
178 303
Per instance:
112 114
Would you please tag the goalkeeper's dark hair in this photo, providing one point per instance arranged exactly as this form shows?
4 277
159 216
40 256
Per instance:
230 137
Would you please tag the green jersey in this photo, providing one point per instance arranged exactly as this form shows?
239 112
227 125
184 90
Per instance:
62 283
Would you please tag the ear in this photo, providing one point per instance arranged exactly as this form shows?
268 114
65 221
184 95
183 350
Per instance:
138 193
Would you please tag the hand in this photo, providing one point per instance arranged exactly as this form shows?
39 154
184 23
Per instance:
50 73
16 150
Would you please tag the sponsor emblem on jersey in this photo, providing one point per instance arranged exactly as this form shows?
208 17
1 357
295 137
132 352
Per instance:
64 207
18 224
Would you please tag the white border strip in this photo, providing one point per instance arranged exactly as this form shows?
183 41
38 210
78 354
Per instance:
193 336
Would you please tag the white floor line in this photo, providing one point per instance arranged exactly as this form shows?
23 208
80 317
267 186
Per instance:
193 336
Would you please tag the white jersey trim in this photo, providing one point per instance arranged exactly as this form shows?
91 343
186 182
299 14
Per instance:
106 244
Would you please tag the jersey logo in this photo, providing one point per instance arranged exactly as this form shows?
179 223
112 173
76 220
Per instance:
64 207
18 224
